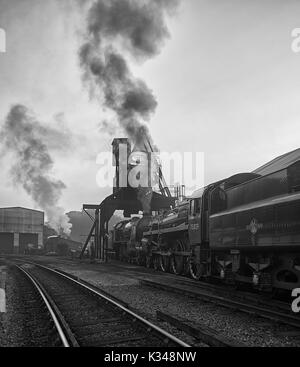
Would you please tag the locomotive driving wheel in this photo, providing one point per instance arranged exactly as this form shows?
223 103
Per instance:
148 262
164 263
140 261
177 261
195 269
156 262
199 263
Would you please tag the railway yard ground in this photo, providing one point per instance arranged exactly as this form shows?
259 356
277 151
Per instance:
196 313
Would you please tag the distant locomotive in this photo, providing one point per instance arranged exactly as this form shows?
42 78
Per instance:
243 229
61 246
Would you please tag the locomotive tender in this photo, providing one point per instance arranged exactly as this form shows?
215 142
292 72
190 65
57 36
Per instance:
243 229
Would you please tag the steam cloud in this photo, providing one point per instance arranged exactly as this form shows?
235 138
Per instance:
26 139
138 29
117 28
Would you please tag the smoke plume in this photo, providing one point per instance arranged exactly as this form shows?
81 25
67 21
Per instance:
24 137
136 29
118 30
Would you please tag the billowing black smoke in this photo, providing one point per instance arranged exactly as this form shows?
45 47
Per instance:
24 137
137 29
117 31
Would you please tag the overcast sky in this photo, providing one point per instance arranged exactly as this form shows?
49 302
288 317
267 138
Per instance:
227 84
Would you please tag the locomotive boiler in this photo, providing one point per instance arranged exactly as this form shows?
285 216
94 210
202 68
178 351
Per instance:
127 238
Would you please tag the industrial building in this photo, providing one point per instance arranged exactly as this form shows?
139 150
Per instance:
20 229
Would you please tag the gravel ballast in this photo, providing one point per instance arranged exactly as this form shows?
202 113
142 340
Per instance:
247 329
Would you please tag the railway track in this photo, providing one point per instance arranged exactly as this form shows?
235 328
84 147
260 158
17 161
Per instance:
222 291
83 316
248 306
229 292
198 331
34 323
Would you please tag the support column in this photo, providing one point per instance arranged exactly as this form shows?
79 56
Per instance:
106 240
16 243
40 240
96 238
102 237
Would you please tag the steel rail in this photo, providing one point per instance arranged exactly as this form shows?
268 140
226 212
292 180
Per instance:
199 331
113 302
54 318
238 305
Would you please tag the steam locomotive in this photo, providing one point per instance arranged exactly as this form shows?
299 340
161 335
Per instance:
243 229
57 245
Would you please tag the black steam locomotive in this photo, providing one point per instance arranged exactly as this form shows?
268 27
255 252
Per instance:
243 229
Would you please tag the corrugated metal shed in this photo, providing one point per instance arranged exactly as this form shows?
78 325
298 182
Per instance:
20 227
